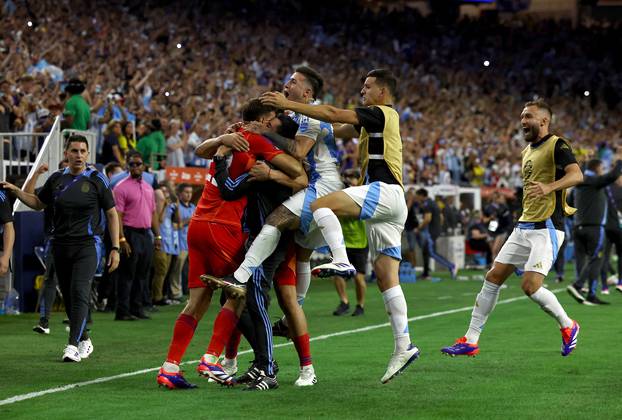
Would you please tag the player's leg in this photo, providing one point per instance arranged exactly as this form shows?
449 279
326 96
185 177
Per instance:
514 254
545 244
358 258
346 203
303 272
280 220
344 305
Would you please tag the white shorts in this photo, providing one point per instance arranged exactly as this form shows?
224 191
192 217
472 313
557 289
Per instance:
532 249
300 203
383 208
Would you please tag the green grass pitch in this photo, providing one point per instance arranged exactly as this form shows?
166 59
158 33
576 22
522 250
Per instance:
518 374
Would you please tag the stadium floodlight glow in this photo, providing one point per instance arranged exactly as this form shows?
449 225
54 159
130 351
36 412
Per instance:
586 93
486 63
29 23
167 93
178 46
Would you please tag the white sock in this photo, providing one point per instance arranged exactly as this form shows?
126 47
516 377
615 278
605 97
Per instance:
170 367
210 358
395 304
262 247
331 231
484 304
303 280
549 304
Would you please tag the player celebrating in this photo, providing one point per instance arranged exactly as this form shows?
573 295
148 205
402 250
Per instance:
380 202
215 236
549 167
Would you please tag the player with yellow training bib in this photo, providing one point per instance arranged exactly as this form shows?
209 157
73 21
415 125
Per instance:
549 167
380 201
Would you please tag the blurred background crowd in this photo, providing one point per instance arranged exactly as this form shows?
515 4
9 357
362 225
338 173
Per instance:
185 72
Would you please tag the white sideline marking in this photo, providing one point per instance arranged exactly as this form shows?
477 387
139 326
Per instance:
30 395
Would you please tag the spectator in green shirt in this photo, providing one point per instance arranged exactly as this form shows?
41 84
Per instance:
153 146
77 111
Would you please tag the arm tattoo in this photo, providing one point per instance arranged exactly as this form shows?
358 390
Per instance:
283 143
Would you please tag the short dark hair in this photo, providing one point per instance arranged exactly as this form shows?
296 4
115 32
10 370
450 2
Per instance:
288 127
593 164
386 78
422 192
110 166
76 138
134 154
254 109
313 77
181 187
540 104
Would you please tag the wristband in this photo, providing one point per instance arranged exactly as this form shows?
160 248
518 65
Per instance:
158 238
114 248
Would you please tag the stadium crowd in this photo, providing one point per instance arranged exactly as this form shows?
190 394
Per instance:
462 85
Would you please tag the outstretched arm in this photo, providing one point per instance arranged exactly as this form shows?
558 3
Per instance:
326 113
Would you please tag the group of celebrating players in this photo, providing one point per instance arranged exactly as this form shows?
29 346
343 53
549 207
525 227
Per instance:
275 184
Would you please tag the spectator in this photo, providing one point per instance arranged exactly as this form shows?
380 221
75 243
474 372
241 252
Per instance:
77 111
136 209
167 211
186 209
175 145
153 146
111 151
127 141
477 237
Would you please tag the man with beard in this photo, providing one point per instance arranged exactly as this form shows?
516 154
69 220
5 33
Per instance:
549 167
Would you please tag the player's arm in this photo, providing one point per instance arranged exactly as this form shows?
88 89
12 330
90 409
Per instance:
262 172
31 183
572 173
230 189
113 230
326 113
8 238
345 131
298 148
427 219
606 179
208 148
31 200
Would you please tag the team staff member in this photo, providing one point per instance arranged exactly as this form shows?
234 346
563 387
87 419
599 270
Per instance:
137 214
590 199
428 232
78 196
549 167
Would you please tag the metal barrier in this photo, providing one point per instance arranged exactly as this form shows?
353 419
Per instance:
16 159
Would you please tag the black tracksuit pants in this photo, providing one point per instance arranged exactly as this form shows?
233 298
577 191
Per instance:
589 245
75 266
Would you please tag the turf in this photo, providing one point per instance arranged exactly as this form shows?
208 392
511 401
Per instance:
519 373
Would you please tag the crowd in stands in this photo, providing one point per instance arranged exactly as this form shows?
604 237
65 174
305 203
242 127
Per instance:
178 76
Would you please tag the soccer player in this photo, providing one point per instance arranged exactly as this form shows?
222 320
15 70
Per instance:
216 238
380 201
549 167
315 142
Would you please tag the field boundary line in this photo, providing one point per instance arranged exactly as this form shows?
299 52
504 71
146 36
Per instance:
36 394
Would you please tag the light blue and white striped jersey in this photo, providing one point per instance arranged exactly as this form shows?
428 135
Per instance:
323 156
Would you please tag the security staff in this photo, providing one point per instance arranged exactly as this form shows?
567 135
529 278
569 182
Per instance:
591 203
79 197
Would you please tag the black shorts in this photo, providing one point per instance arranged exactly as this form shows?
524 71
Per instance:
358 258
